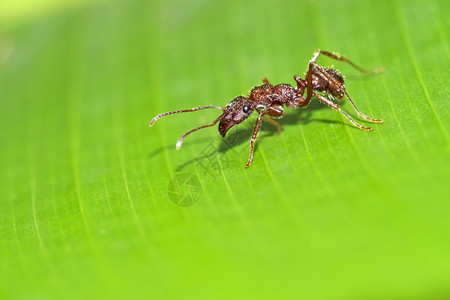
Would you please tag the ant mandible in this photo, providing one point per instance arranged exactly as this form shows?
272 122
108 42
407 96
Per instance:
268 100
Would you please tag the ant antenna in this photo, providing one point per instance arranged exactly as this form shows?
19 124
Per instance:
181 111
180 141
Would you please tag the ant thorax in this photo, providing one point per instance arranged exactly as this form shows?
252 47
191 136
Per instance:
262 95
265 95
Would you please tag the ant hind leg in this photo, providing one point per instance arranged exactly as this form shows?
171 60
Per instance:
337 108
359 113
339 57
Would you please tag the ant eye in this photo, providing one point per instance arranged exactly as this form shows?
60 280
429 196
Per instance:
245 109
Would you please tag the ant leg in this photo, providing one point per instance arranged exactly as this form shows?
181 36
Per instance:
266 81
335 107
276 111
337 56
252 142
180 141
300 84
359 113
308 79
274 123
298 101
181 111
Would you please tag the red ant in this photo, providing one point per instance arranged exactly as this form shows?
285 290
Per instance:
268 100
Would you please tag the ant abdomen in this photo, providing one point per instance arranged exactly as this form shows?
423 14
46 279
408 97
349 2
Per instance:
335 74
324 84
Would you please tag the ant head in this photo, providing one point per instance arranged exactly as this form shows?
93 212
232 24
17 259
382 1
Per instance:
235 113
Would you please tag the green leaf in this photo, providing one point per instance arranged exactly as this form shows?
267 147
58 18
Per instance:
98 205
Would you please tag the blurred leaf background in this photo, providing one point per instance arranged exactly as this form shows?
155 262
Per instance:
326 211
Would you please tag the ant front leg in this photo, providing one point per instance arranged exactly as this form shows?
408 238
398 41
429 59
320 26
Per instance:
274 110
254 135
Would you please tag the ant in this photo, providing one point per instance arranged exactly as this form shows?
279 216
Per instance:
268 100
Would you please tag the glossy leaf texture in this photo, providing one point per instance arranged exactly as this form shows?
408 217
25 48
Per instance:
97 204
